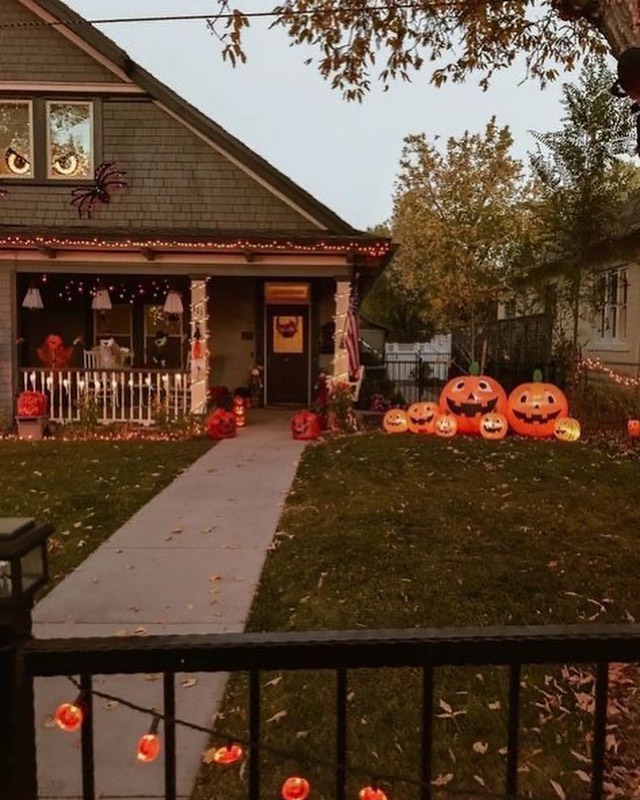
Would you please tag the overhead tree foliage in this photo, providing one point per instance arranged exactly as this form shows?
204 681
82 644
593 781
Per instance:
583 186
361 40
456 215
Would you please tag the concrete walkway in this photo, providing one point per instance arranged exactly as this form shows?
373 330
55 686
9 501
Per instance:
188 562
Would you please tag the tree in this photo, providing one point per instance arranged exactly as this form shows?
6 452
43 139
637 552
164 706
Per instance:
356 38
583 185
456 216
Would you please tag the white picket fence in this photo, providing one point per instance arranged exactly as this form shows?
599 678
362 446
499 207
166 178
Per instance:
119 395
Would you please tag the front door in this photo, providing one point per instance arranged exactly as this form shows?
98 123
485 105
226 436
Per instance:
287 354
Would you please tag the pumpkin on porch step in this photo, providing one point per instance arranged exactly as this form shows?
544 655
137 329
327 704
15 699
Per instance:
31 404
221 424
305 425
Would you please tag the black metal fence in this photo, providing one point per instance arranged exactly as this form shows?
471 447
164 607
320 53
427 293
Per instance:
426 650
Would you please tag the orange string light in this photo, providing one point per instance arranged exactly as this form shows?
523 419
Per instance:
228 754
68 716
149 745
595 365
372 793
295 788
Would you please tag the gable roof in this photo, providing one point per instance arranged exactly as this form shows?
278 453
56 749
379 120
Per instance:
177 106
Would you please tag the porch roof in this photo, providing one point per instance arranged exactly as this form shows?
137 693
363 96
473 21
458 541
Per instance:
369 251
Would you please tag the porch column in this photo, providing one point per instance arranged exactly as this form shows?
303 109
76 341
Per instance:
340 355
199 333
8 331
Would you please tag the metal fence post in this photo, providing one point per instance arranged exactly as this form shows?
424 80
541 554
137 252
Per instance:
18 771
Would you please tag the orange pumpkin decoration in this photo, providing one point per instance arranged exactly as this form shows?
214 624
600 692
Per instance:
295 788
469 397
633 428
446 425
533 408
493 426
422 417
395 421
305 425
228 754
69 716
239 411
222 424
31 404
567 429
371 793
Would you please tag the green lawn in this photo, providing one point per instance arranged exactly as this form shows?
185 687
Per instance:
404 531
86 489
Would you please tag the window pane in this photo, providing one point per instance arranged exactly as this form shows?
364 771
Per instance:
70 140
16 142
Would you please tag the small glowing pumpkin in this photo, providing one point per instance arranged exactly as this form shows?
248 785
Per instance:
633 428
446 425
493 426
470 397
371 793
305 425
422 417
239 411
395 421
295 788
533 408
567 429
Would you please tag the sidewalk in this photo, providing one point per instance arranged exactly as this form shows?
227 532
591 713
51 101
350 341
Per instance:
188 562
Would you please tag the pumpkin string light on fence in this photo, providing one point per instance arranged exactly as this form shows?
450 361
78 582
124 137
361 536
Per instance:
69 716
149 745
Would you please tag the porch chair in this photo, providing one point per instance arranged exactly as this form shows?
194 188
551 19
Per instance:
90 358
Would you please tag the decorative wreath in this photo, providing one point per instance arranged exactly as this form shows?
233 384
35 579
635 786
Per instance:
287 329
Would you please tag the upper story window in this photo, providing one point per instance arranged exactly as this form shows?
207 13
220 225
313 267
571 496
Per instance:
16 139
69 139
613 290
47 140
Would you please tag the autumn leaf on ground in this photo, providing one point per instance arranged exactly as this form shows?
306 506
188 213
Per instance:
558 789
277 716
188 683
442 780
480 747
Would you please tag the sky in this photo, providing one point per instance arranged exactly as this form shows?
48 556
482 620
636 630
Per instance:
345 154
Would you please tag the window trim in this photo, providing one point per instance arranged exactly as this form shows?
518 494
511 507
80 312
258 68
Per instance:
48 163
22 178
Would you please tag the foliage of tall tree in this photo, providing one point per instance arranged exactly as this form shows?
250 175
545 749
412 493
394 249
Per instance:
583 186
357 40
456 217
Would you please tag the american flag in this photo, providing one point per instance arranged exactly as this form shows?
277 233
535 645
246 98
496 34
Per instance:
352 333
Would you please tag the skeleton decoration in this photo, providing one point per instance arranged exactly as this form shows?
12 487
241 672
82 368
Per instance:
107 177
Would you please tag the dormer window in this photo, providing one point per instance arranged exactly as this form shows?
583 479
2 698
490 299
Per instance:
16 139
48 140
69 139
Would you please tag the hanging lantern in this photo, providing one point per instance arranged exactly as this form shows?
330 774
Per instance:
33 299
228 754
295 788
101 300
173 304
239 411
149 744
69 716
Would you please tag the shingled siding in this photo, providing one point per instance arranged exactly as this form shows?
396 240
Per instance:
6 346
175 181
41 53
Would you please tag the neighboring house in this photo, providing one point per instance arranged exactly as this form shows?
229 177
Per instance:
253 265
373 335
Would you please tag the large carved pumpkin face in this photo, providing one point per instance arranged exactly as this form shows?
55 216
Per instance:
305 425
469 397
395 421
566 429
493 426
422 417
222 424
446 425
533 408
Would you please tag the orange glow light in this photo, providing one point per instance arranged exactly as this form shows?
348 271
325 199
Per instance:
228 754
69 716
295 789
371 793
148 747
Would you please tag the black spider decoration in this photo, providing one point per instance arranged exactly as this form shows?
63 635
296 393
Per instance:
107 177
628 84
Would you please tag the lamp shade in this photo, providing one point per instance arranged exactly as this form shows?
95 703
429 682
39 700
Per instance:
101 300
173 303
33 298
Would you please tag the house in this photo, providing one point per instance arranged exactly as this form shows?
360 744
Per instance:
146 254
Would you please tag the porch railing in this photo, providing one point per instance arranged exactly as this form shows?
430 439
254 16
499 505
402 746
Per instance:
425 650
114 395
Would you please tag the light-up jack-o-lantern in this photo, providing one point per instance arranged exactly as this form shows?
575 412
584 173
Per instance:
239 411
295 788
533 408
566 429
493 426
633 428
69 716
305 425
446 425
221 424
395 421
470 397
371 793
422 417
